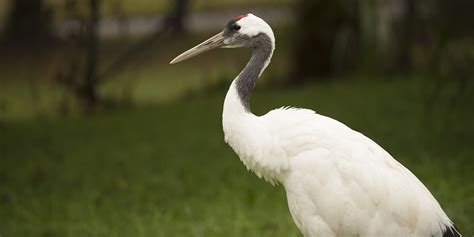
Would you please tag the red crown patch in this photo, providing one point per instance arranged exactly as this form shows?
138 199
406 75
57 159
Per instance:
239 17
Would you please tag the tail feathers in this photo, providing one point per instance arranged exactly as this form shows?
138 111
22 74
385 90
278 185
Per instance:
452 231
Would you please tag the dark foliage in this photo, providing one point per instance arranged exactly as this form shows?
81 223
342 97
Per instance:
383 36
327 38
28 23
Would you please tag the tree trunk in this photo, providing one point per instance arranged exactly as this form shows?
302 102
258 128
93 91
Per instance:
403 59
89 88
28 23
175 18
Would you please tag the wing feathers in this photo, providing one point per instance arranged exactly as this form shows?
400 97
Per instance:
344 170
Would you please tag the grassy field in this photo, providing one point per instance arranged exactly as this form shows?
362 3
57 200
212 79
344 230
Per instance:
161 167
165 170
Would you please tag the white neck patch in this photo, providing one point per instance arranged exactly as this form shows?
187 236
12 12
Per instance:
252 25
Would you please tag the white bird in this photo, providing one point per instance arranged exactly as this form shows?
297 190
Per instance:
338 182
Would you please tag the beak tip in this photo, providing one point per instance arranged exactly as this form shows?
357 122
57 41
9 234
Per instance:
211 43
173 61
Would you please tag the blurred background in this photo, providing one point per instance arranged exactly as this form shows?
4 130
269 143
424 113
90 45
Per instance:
100 136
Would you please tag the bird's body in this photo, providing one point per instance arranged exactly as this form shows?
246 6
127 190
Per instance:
338 182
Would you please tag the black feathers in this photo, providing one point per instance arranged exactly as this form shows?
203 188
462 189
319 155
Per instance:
235 27
232 26
452 231
262 51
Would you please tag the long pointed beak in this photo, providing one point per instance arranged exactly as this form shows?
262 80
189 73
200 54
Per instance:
211 43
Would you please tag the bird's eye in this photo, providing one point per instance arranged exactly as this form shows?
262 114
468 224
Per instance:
235 27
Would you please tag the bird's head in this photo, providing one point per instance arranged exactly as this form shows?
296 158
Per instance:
242 31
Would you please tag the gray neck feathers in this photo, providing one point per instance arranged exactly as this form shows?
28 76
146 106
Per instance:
262 52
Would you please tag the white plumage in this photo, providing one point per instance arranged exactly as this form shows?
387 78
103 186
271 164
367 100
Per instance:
338 182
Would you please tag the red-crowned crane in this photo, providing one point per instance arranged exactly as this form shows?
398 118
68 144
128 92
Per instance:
338 182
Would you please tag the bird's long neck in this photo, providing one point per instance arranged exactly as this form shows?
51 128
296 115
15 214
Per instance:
242 129
246 80
237 100
236 104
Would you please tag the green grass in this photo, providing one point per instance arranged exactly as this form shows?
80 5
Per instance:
165 170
